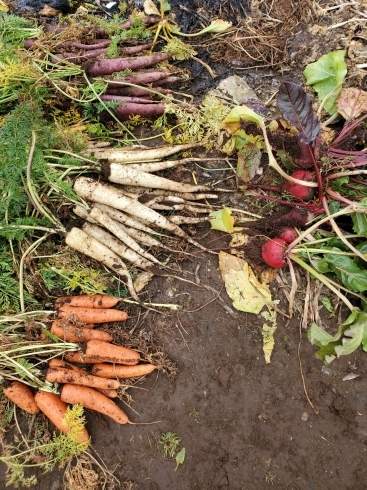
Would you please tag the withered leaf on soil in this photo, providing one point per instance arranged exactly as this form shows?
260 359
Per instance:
352 103
242 286
296 107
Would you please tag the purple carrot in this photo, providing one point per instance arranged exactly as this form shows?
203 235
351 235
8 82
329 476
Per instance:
166 81
134 100
138 92
145 110
78 57
112 65
136 49
139 78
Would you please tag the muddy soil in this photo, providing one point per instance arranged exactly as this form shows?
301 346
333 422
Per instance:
245 424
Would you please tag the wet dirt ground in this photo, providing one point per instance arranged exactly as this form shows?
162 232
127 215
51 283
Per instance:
245 424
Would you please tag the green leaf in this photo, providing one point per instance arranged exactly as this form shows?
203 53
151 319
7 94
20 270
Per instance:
327 75
327 304
351 334
359 223
222 220
348 272
180 457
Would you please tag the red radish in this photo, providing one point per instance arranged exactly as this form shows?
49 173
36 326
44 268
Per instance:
298 190
288 234
273 253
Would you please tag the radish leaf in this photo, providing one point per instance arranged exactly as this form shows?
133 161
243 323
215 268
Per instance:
296 107
326 76
348 272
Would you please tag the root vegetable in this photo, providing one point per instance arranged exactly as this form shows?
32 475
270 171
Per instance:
128 156
21 395
297 190
288 234
125 99
92 315
125 219
63 376
273 253
125 175
82 242
55 409
96 351
71 333
118 371
111 65
124 111
139 92
93 400
120 248
105 194
109 393
116 229
87 301
138 78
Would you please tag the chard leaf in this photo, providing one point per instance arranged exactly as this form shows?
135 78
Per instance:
180 457
352 102
326 76
296 107
248 164
348 272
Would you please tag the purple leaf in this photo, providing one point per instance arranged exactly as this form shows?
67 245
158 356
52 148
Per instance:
296 107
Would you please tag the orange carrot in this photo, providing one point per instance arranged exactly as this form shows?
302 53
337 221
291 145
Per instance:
92 315
63 375
78 357
111 353
120 371
56 362
97 351
109 393
55 410
71 333
21 395
87 301
92 399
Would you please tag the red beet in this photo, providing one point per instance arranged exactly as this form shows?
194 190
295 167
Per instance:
273 253
288 234
297 190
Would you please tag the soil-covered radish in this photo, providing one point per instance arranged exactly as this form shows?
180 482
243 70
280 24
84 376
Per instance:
298 190
273 253
288 234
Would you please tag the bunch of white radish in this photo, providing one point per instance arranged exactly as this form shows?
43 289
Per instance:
122 215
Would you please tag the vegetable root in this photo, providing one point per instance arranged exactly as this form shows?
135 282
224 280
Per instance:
55 409
93 400
106 194
92 315
98 351
71 333
62 376
82 242
87 301
118 371
21 395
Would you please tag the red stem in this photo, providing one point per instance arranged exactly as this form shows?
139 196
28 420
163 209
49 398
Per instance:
318 174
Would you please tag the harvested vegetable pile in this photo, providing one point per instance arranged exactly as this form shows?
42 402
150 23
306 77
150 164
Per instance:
44 375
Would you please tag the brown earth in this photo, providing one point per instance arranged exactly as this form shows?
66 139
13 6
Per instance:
245 424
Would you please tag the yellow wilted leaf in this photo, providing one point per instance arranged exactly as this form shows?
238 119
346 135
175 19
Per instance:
241 284
3 7
268 333
222 220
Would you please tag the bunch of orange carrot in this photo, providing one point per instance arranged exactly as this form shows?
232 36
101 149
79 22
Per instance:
92 388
